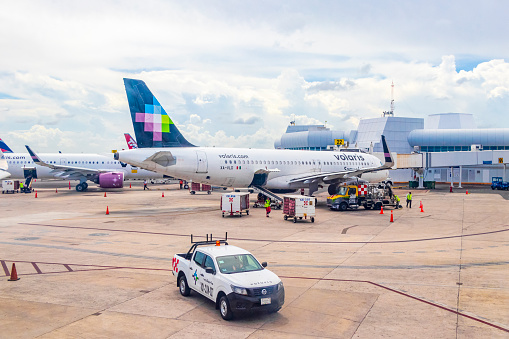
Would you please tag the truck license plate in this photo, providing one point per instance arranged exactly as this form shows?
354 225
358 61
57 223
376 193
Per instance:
265 301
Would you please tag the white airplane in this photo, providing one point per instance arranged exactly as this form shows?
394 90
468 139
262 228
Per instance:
163 149
101 169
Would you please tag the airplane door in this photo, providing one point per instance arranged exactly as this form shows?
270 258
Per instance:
30 172
63 161
317 165
202 164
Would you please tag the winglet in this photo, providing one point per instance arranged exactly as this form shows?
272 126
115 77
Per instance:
36 158
389 162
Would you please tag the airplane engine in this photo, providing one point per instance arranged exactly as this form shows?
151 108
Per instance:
111 180
332 189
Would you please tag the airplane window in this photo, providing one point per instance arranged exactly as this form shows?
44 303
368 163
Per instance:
252 162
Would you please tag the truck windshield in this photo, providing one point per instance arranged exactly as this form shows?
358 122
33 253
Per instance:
238 263
342 190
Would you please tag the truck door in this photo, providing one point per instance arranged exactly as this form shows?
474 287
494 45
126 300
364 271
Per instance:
195 271
202 163
208 280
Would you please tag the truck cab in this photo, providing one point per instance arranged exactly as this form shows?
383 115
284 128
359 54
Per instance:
229 276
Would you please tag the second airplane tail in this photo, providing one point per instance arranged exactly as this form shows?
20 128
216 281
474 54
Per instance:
152 126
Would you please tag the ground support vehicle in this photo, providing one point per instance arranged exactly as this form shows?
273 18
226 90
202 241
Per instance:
229 276
235 203
10 186
497 183
298 207
197 187
260 202
370 196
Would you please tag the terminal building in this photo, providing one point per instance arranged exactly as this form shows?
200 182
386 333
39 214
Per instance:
446 147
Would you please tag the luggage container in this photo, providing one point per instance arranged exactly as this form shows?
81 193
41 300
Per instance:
235 203
298 207
197 187
10 186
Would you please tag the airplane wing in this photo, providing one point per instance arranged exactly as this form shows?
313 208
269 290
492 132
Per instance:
327 176
64 170
4 166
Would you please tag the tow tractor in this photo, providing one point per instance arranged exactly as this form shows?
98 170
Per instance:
229 276
370 196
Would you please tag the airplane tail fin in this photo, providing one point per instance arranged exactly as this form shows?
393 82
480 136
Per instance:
389 161
4 148
152 126
131 143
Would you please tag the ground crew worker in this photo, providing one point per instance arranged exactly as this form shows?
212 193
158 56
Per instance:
181 183
397 201
409 199
267 207
145 185
21 186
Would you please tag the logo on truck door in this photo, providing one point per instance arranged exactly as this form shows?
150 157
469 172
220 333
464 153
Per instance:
195 276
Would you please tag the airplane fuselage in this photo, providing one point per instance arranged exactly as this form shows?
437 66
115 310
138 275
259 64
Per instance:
19 162
236 167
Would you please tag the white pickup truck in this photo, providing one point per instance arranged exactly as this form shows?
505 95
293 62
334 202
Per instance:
229 276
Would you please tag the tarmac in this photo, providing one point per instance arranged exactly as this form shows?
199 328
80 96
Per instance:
440 273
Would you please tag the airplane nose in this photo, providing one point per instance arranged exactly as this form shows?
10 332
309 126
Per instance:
116 156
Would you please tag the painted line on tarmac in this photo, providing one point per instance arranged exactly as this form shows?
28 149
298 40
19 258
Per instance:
443 307
277 241
36 268
431 303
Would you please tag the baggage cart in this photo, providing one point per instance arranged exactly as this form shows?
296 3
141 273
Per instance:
10 186
298 207
197 187
235 203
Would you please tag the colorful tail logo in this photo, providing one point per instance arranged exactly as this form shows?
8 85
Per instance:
4 148
131 143
152 126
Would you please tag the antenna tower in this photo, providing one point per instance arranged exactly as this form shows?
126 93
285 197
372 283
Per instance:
391 112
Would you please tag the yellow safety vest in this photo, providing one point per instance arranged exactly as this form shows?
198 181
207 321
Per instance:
397 198
409 197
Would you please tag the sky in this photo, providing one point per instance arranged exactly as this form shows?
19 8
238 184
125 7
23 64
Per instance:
235 73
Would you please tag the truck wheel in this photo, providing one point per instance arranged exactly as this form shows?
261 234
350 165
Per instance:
312 219
247 212
378 206
294 220
224 308
186 186
343 206
285 217
183 288
209 192
193 192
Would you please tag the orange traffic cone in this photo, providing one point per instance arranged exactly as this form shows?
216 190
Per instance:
162 195
107 210
422 209
69 185
14 273
36 194
420 205
105 194
129 185
392 217
56 190
381 210
467 191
